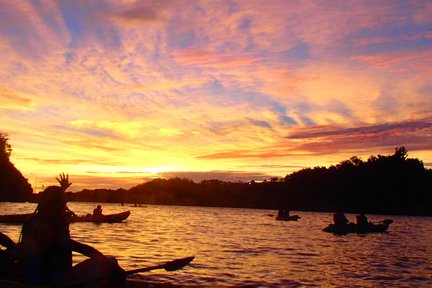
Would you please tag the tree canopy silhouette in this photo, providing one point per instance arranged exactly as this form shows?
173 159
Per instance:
13 185
393 184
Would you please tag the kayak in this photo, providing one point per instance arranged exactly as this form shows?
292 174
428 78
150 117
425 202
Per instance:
109 218
360 229
288 218
131 283
16 284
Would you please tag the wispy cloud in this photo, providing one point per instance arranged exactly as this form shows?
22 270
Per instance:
387 128
13 100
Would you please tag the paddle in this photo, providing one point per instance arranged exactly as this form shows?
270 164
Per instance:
383 222
387 221
168 266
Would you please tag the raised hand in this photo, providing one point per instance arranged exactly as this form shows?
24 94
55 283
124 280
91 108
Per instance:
63 179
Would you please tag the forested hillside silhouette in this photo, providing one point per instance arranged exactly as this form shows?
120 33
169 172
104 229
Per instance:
393 184
13 185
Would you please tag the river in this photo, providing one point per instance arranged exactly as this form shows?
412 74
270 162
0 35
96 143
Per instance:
235 247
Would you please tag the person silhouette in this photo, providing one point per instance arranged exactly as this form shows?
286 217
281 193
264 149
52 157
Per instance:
283 213
361 219
46 246
339 219
97 211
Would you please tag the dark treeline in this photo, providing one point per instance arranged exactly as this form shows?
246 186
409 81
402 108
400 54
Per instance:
393 184
13 185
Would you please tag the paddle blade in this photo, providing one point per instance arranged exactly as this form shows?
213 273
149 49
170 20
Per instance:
387 221
178 263
169 266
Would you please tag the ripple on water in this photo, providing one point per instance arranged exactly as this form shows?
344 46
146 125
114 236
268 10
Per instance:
247 247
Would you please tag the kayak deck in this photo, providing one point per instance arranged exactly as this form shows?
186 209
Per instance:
109 218
288 218
360 229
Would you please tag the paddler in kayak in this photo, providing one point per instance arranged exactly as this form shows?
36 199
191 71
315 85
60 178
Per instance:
97 211
361 219
46 247
339 219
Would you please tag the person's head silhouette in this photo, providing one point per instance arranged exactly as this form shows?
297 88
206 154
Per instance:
52 202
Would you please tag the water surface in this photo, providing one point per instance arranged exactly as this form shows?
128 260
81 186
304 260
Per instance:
236 247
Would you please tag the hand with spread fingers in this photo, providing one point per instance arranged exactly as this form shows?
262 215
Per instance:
63 179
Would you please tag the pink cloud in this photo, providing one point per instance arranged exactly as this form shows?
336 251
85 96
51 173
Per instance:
410 59
392 39
144 12
334 139
206 59
369 41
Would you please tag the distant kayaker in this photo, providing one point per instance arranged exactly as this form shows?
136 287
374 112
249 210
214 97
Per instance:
46 246
283 213
97 211
339 218
361 219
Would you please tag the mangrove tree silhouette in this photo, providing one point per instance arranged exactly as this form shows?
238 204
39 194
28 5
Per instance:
13 185
393 184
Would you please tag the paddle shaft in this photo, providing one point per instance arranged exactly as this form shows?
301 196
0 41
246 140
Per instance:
168 266
144 269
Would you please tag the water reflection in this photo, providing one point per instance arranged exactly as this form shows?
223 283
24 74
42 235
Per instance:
246 246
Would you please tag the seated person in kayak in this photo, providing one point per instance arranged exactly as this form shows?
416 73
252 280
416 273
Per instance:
97 211
340 219
361 219
283 213
46 246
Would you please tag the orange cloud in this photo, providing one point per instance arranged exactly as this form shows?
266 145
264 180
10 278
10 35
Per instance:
14 100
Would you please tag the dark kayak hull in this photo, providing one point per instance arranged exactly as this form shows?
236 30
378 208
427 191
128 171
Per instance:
15 218
360 229
288 218
16 284
110 218
131 283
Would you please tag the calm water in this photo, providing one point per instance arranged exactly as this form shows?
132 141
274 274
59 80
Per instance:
245 246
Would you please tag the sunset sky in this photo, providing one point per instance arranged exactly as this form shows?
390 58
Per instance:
118 92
